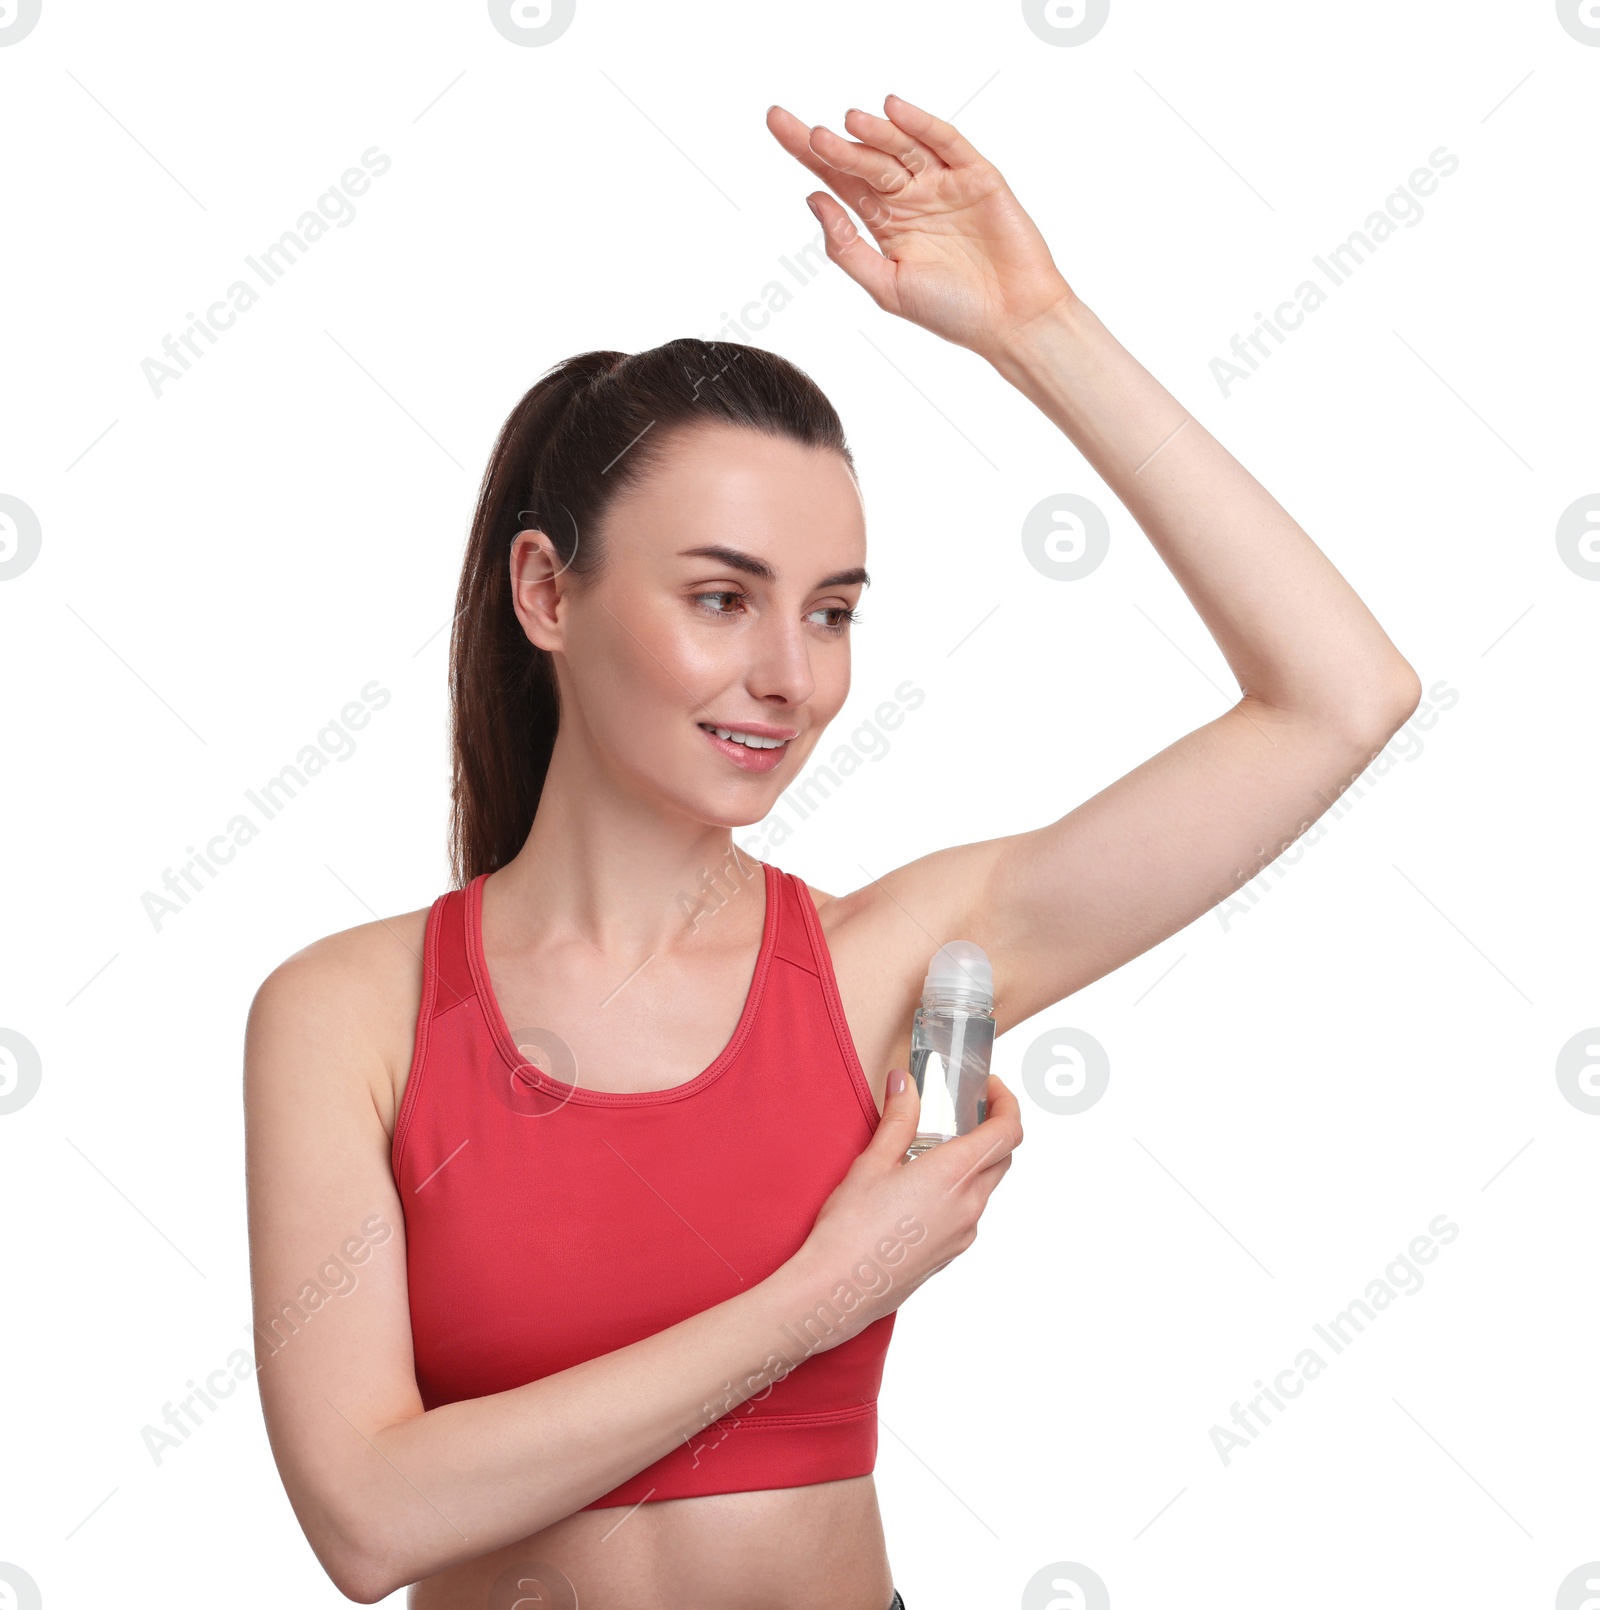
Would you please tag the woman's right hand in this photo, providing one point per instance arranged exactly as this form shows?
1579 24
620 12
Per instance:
893 1221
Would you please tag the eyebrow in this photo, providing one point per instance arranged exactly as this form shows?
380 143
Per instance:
752 566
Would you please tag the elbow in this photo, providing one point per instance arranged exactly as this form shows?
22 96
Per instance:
360 1576
356 1524
369 1590
346 1546
365 1541
1406 696
1378 718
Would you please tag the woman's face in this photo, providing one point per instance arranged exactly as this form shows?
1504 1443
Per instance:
731 572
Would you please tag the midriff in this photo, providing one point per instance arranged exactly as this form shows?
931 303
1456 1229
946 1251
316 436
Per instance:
790 1548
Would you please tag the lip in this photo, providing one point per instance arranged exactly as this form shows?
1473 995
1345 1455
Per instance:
757 729
745 758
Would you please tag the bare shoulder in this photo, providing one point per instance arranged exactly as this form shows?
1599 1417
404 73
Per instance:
354 994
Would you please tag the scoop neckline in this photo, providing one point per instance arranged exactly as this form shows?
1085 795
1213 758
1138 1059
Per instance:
537 1078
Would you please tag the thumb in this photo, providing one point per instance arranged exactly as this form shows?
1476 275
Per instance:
902 1107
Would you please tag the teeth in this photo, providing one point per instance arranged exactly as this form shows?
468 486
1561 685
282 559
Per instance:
749 739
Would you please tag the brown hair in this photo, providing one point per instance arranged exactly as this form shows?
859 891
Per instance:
589 428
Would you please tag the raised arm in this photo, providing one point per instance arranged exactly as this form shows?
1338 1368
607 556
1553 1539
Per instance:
1321 686
1322 689
388 1493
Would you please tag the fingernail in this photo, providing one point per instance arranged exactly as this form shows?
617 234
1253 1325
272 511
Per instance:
813 206
897 1081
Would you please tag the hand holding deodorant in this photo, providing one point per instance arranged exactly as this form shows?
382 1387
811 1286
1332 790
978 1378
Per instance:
952 1036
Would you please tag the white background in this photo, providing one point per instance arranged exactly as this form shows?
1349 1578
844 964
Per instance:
1294 1093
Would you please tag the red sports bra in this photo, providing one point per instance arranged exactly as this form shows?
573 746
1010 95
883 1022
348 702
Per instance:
547 1223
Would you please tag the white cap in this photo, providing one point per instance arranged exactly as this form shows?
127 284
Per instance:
960 971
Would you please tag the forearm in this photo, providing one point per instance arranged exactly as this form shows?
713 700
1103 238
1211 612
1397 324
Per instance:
452 1483
1293 631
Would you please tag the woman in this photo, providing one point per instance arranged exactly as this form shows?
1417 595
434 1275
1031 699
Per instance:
606 1327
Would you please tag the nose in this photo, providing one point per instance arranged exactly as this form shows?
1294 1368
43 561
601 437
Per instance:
780 672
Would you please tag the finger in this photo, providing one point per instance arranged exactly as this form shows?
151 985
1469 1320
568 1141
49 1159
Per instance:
842 241
885 173
1003 1104
932 131
983 1182
795 137
986 1182
898 1124
970 1162
915 157
974 1154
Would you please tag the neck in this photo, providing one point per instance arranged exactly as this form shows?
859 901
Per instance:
623 873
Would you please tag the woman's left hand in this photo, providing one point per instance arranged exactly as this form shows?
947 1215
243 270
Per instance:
958 254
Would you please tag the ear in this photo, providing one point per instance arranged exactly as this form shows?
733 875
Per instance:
537 589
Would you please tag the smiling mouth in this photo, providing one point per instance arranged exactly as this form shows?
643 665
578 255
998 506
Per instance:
750 740
757 754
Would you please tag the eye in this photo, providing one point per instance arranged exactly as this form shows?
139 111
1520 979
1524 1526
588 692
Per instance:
729 593
845 617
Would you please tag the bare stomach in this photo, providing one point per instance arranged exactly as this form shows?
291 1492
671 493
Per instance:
787 1548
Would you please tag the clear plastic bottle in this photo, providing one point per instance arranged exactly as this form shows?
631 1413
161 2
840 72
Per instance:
952 1036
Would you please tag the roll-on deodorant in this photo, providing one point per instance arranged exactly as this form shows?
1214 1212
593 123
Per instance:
952 1036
